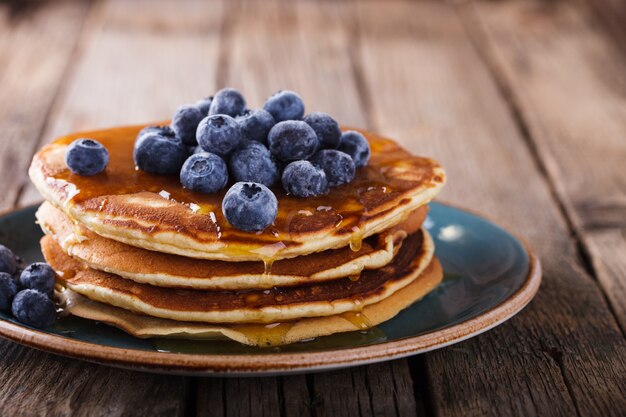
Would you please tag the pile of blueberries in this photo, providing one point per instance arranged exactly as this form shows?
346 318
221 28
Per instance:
219 139
27 293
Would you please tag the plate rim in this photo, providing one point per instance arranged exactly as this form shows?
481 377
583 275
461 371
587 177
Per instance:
283 363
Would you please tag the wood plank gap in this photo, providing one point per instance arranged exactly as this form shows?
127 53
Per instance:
478 39
356 64
229 14
83 34
281 396
313 398
191 398
421 386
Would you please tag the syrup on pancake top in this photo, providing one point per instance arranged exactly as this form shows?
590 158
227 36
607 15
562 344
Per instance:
327 182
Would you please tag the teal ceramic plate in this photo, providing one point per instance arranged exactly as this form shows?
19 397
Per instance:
490 275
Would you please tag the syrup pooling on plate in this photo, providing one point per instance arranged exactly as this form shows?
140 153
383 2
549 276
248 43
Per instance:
340 211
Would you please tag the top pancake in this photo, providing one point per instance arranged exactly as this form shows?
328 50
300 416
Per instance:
155 212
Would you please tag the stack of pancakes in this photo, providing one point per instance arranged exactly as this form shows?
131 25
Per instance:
139 252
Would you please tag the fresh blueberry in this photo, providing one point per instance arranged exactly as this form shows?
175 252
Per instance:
303 179
228 101
326 128
185 122
354 144
204 105
337 165
292 140
159 154
285 105
219 134
204 173
38 276
8 262
253 163
33 308
8 289
86 157
256 124
159 130
250 206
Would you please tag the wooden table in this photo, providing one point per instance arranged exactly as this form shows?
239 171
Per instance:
524 102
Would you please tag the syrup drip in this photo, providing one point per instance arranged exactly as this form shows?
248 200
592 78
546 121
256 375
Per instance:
358 319
355 277
357 239
265 336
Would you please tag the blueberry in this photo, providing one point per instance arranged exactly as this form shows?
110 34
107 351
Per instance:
337 165
354 144
250 206
228 101
326 128
285 105
204 173
203 105
33 308
185 122
8 289
292 140
86 157
219 134
160 130
158 154
256 124
38 276
253 163
8 262
303 179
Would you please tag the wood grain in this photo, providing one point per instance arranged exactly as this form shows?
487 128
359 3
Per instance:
569 84
36 44
552 359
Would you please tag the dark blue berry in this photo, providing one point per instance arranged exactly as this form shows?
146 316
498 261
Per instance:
337 165
292 140
204 105
38 276
354 144
326 128
228 101
250 206
303 179
253 163
8 289
204 173
8 262
33 308
219 134
185 122
285 105
159 154
256 124
160 130
86 157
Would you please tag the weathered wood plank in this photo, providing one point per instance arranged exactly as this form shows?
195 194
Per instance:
130 71
565 353
35 383
307 47
142 61
36 44
569 82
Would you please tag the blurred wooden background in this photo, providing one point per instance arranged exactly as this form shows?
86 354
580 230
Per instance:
524 102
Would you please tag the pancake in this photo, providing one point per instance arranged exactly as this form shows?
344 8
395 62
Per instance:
259 306
258 335
155 212
166 270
